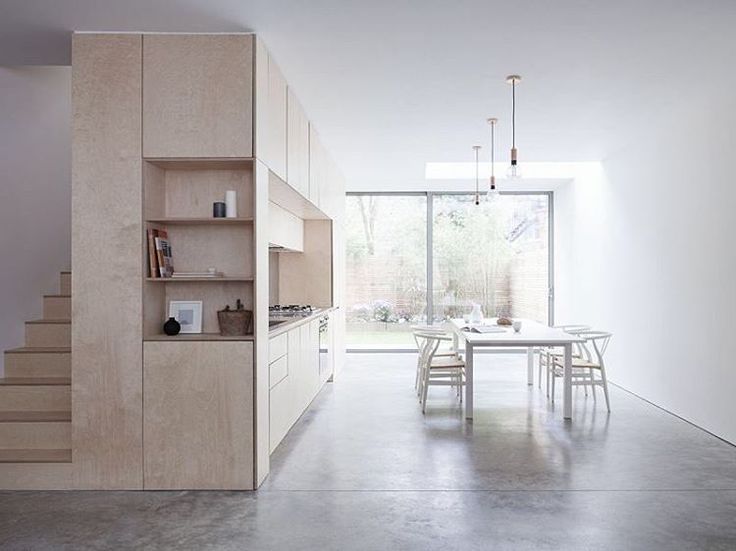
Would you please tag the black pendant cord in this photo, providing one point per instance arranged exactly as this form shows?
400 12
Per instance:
477 190
493 152
513 113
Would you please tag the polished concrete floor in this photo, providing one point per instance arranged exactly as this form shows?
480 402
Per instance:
363 469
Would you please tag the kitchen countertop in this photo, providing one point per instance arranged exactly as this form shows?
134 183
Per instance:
296 321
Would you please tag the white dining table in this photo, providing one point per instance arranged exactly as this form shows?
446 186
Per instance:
532 335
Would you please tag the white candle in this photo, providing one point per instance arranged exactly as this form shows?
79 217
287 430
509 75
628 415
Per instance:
231 206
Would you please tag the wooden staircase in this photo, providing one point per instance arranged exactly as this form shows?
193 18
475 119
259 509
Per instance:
35 395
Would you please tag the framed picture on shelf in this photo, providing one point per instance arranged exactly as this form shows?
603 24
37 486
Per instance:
188 313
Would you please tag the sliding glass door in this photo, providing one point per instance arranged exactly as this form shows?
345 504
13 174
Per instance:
386 270
496 254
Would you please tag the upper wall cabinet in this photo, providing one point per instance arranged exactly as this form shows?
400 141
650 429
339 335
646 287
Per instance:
297 163
317 166
197 96
270 113
332 190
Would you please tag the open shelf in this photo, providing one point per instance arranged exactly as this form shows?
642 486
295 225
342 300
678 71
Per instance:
194 221
198 279
198 337
178 197
201 163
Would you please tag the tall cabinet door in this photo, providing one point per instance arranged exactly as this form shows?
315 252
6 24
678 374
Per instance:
316 165
297 146
197 95
106 288
198 415
271 123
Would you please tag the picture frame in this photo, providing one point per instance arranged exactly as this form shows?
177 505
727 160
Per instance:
188 313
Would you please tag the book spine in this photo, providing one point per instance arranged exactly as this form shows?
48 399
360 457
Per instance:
169 260
160 256
152 256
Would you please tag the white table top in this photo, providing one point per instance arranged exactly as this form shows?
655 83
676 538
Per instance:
532 334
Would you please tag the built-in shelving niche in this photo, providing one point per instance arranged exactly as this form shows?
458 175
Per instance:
178 196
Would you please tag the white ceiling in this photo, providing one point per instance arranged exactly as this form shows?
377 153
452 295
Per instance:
392 85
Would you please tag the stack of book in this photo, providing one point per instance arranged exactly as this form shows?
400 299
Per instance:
160 259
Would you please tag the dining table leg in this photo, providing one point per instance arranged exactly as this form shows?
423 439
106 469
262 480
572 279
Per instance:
567 383
468 380
530 366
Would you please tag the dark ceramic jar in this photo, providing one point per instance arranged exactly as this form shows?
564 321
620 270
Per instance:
172 327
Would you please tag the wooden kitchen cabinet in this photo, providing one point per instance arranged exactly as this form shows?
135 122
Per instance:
280 412
297 170
283 409
316 165
271 108
326 185
332 189
198 415
197 96
291 396
285 229
309 364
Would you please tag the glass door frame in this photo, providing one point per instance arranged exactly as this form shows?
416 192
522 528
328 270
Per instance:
430 232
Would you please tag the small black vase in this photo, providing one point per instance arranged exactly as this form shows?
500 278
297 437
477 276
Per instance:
172 327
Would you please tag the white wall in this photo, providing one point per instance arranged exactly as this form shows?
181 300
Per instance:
646 250
35 192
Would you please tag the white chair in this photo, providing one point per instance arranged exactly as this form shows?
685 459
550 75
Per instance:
546 354
420 340
438 370
585 367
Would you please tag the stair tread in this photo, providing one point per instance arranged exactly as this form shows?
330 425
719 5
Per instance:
60 321
40 349
35 416
35 456
35 381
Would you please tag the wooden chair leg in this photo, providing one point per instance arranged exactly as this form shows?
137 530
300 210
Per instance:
605 388
592 386
425 388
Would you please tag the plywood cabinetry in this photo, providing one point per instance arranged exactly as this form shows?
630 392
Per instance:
197 95
317 166
271 109
106 304
326 184
178 198
163 125
293 393
285 229
198 415
297 146
332 189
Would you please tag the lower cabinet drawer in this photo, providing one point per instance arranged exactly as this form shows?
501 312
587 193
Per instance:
277 347
280 405
278 370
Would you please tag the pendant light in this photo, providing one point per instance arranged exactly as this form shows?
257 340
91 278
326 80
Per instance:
514 172
477 148
492 191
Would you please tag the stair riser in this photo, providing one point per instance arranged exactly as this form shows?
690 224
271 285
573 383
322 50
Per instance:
48 334
65 284
35 398
37 436
57 308
46 364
